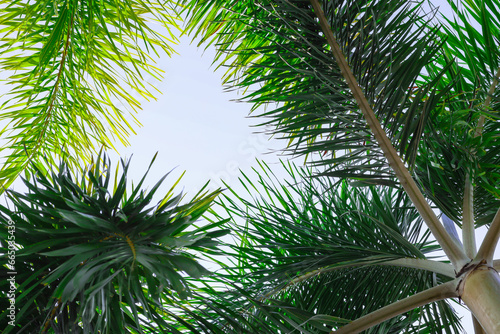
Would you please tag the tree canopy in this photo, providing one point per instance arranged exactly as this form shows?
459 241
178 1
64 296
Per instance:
392 105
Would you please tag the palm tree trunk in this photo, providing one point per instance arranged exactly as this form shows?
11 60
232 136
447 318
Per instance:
480 291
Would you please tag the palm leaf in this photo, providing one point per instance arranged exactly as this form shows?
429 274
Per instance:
457 145
312 250
94 260
76 72
277 49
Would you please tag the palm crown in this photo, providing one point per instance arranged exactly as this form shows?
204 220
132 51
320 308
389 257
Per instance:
374 93
93 254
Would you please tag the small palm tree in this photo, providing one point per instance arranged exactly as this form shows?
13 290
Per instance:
93 256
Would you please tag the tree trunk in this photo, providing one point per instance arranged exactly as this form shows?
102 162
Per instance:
480 291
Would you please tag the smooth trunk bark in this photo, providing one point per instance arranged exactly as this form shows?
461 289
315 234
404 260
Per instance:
480 291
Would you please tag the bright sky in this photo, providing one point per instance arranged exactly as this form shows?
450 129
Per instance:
195 125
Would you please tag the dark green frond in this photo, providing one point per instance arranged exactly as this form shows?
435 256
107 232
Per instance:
313 249
456 145
276 50
93 258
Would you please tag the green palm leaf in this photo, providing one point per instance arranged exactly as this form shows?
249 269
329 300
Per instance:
76 72
277 49
452 149
314 253
96 260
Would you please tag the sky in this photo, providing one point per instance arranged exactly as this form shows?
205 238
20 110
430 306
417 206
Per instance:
195 125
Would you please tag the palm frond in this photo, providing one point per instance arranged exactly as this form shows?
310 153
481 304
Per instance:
276 50
94 259
77 71
344 236
461 140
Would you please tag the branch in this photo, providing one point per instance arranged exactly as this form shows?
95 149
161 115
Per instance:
468 227
490 241
452 250
449 226
55 89
440 292
423 264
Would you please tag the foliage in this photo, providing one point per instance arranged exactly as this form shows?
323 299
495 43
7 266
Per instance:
432 87
279 45
93 255
312 254
73 67
452 148
340 239
425 99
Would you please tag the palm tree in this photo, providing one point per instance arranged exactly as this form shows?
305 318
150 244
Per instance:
92 255
396 113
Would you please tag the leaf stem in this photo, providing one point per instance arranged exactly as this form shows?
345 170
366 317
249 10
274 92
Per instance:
422 264
468 228
440 292
53 95
487 101
490 241
58 80
452 250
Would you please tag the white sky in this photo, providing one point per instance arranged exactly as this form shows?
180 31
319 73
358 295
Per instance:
196 126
